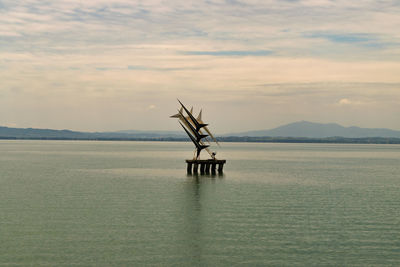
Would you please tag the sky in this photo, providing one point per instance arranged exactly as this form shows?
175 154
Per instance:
115 65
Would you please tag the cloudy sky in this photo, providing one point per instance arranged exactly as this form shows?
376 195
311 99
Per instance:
110 65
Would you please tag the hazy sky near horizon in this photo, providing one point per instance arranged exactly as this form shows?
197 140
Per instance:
110 65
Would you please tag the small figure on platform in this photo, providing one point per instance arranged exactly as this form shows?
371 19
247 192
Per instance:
213 155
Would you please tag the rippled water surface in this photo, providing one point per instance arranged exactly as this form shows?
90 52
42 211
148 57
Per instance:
131 203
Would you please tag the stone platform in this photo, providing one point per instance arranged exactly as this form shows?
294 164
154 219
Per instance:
207 166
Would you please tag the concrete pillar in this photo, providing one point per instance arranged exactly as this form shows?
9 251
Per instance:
220 167
202 167
189 167
207 167
213 167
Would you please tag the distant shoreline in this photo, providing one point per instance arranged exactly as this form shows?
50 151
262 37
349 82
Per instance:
234 139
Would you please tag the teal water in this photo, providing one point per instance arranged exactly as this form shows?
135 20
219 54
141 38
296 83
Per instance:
87 203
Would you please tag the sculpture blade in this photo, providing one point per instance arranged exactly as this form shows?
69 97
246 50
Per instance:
206 128
193 130
177 115
196 123
196 143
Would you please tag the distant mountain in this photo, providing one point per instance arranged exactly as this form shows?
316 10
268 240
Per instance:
6 132
302 129
320 130
152 133
32 133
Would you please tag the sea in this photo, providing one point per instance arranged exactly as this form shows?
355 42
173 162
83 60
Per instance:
117 203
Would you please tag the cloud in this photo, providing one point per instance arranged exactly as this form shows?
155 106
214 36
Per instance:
154 68
107 58
345 101
136 67
357 39
212 28
9 124
364 101
256 53
343 38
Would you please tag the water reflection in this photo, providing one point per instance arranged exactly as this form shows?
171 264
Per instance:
197 176
195 215
192 219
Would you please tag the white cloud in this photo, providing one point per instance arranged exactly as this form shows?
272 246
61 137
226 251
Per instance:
345 101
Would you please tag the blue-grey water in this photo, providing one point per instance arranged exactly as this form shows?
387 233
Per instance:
88 203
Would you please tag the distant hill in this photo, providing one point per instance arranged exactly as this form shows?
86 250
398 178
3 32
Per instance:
294 132
152 133
320 130
26 133
31 133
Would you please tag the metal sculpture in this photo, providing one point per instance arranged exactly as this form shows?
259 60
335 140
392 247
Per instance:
193 127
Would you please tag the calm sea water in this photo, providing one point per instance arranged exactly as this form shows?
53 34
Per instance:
90 203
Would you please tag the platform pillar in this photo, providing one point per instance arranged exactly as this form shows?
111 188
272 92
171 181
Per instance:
220 167
189 167
213 167
207 168
202 167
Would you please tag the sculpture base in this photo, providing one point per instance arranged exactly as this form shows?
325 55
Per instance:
207 166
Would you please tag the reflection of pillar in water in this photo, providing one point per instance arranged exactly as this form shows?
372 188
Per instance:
191 229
